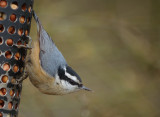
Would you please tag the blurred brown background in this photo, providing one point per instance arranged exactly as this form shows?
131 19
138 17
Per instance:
114 45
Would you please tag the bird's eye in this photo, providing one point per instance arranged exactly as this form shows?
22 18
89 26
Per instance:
80 85
72 82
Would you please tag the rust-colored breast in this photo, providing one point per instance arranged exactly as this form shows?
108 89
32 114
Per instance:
36 74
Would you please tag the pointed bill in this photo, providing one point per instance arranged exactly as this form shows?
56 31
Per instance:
85 88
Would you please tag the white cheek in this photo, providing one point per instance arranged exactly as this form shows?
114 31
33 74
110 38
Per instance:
67 86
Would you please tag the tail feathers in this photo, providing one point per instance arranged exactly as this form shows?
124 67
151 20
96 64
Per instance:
43 37
39 25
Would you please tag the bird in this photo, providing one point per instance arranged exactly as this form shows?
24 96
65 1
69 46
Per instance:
47 68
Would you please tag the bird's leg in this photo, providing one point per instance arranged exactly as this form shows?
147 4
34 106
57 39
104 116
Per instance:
23 77
22 46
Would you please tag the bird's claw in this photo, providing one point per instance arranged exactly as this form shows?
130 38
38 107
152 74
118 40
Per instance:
20 80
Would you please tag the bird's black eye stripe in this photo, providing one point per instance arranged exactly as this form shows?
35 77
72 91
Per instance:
62 76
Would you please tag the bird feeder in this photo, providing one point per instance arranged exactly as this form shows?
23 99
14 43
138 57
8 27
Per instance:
15 22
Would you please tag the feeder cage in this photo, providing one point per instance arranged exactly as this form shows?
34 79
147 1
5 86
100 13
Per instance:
15 22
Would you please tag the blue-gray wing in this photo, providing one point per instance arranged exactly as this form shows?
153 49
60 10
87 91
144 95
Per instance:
50 57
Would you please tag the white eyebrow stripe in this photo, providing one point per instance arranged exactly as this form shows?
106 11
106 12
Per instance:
71 77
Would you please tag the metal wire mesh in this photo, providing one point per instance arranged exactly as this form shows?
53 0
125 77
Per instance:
15 21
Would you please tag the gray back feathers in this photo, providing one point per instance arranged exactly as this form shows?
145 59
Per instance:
50 57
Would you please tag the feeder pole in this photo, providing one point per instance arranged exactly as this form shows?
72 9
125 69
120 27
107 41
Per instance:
15 22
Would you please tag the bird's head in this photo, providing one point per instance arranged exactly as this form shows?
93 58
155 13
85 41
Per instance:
69 80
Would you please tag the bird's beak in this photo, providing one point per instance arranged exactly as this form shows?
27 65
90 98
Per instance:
85 88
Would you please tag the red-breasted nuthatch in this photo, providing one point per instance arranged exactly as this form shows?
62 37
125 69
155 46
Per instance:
47 68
